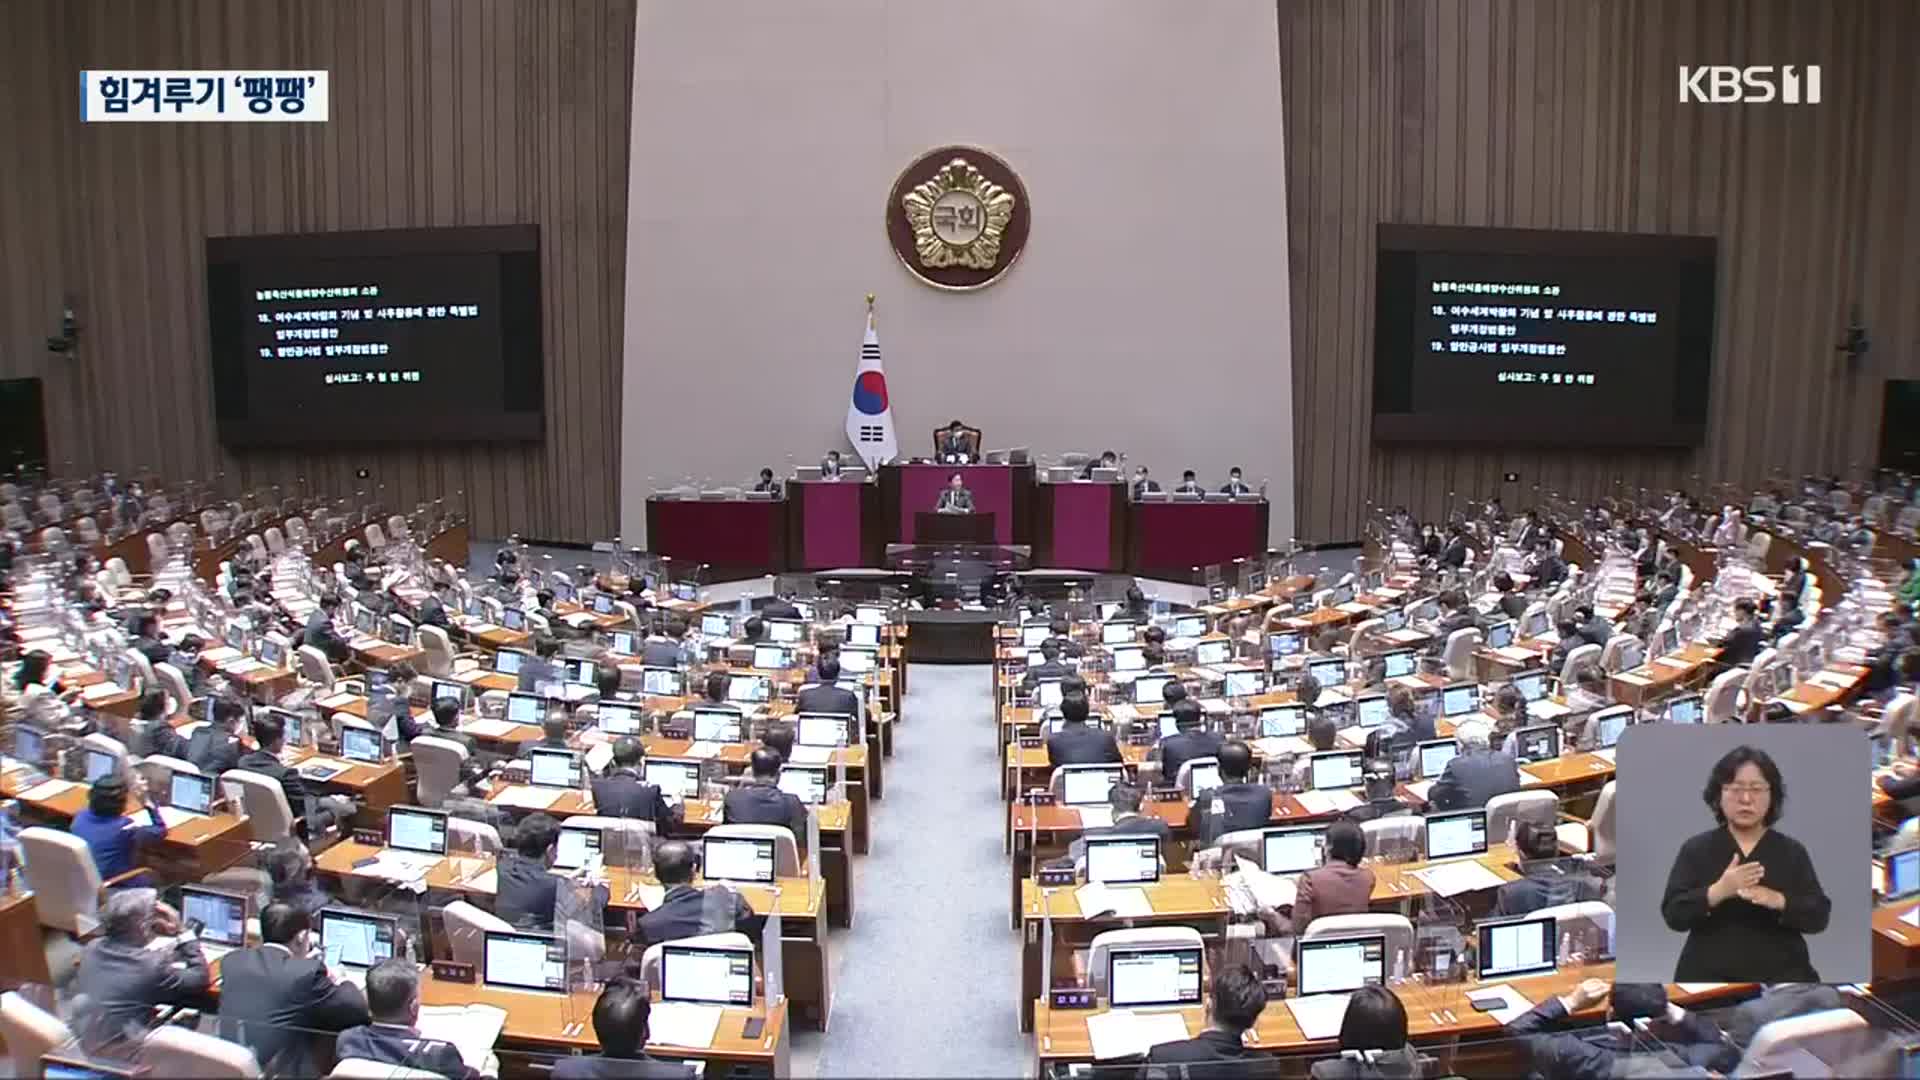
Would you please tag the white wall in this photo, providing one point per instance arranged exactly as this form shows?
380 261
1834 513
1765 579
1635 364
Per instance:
1149 312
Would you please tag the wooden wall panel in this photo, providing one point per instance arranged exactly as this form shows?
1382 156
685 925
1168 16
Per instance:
1515 113
444 112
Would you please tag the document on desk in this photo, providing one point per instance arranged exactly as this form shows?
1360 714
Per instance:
1273 746
1124 1033
646 894
1095 817
101 690
527 797
219 654
1631 678
1328 802
1119 903
1515 653
705 749
473 676
1911 918
1452 879
681 1024
1513 1004
488 729
174 817
579 619
472 1029
338 701
1319 1015
1832 680
812 755
1673 662
1605 754
1269 890
46 789
600 755
1419 789
1546 710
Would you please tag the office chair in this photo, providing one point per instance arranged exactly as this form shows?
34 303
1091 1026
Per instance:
1458 656
1403 835
172 1050
1576 659
475 837
1503 811
437 764
650 959
1805 1045
1593 836
1619 647
1722 704
970 434
29 1031
264 804
66 884
1130 939
313 667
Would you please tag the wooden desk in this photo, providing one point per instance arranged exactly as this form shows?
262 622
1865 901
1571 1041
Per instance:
494 638
23 958
1663 676
378 787
1176 899
190 851
384 655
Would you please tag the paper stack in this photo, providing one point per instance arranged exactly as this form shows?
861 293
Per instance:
1123 903
1319 1015
1123 1033
527 797
472 1029
1454 878
681 1024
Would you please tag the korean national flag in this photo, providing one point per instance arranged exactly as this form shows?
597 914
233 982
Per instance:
870 414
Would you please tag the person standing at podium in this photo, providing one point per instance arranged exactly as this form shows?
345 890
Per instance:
954 447
956 499
830 466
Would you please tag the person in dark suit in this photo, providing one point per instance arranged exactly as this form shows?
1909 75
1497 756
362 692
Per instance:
620 1025
1188 741
1594 628
393 1001
1410 725
1124 800
758 800
156 735
321 812
830 467
1513 603
1049 667
1107 460
1237 803
781 606
1532 531
955 498
1454 555
290 878
122 980
431 611
1795 581
1062 637
714 691
1373 1040
1788 619
541 668
1189 484
1235 485
827 695
1144 484
1567 1049
1545 884
146 638
668 648
1237 999
526 888
955 447
778 737
1340 885
1475 775
272 996
1077 742
766 482
1459 616
685 911
214 748
623 794
1742 643
1545 567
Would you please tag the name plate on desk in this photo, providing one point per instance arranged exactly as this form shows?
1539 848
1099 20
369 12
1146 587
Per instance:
1031 742
1167 794
1041 797
370 837
1071 997
1053 876
452 971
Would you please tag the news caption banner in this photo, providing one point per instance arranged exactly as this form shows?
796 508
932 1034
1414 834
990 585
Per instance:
203 96
1525 329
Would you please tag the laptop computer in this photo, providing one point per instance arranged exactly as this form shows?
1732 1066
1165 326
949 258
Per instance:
516 960
1281 721
1538 742
1162 977
808 783
1512 948
551 767
677 780
706 975
716 725
1431 757
576 846
1123 860
662 682
356 940
748 859
1456 834
221 916
1334 770
1088 785
1339 965
1293 849
412 828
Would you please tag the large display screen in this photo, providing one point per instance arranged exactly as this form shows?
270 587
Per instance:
1507 336
407 335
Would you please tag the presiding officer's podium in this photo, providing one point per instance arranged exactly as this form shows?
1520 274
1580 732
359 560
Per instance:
938 528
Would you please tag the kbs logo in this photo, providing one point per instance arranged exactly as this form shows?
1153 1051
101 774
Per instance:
1720 84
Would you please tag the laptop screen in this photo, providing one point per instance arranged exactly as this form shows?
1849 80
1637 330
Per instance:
748 688
617 719
716 725
190 791
361 744
1461 832
1605 727
1088 786
1399 663
1531 684
1215 651
355 939
222 916
1517 947
676 779
1500 634
817 729
513 619
1370 710
661 682
551 767
737 858
1341 965
518 961
509 661
706 975
1143 977
1293 850
1148 689
525 708
806 783
1684 710
863 634
576 845
1434 755
1188 626
1540 742
1244 683
785 631
100 763
1333 769
1123 860
1128 657
410 829
1459 700
1117 632
1280 721
622 642
856 661
446 688
1328 672
769 657
1031 634
715 626
1903 874
1286 644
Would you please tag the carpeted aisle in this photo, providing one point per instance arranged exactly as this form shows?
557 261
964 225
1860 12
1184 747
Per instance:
925 981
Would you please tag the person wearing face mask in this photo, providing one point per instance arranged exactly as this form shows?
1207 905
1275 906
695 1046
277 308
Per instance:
276 996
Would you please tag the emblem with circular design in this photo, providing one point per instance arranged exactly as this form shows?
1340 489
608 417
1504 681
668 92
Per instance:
958 217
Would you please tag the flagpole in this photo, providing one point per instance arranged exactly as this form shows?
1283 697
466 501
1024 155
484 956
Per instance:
869 309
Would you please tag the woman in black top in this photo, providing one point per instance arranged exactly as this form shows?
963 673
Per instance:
1745 894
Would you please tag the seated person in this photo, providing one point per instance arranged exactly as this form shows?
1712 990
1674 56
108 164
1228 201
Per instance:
1189 484
1338 886
1062 637
156 735
1373 1040
713 692
830 466
1509 716
1107 460
955 498
290 875
1594 628
121 979
1569 640
827 695
274 994
1321 737
393 1000
1409 725
758 800
753 630
607 681
780 606
1190 738
1124 801
215 747
685 911
620 1025
1235 485
1513 604
320 634
1547 883
667 649
1078 743
765 482
1144 484
146 638
1742 643
112 837
1049 667
1788 619
1561 1046
955 446
778 737
1235 1003
528 889
622 793
1474 775
1237 803
320 812
541 667
1459 616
